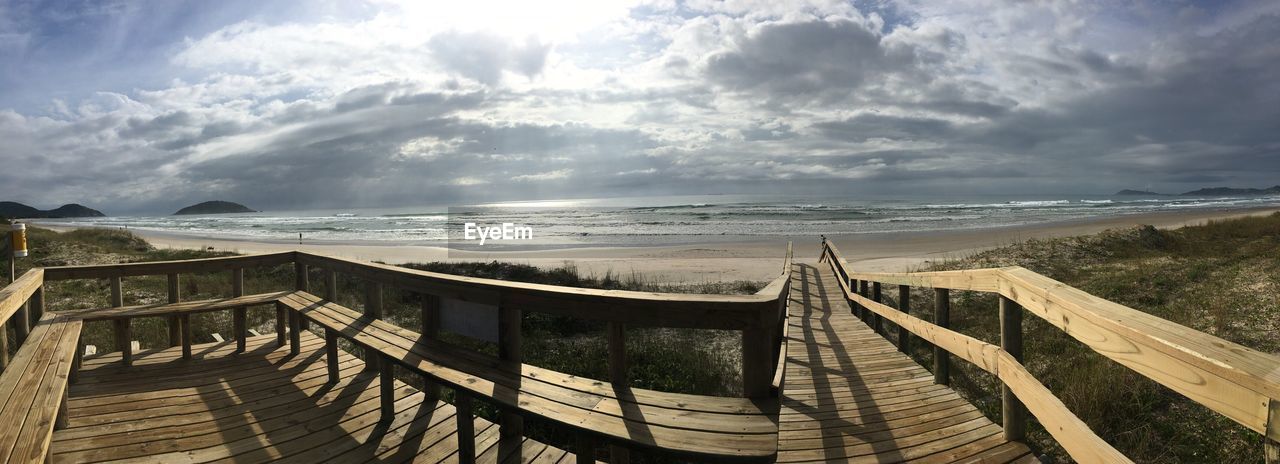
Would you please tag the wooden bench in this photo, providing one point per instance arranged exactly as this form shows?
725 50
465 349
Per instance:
33 389
702 427
181 311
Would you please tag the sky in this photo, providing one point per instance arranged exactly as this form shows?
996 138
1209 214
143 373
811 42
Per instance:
139 106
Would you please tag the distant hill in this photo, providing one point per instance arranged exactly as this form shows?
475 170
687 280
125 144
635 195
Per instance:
1137 192
19 210
215 207
1224 191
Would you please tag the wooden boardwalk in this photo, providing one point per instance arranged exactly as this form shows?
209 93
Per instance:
260 406
851 396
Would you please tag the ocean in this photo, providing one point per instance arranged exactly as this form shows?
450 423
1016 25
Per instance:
666 220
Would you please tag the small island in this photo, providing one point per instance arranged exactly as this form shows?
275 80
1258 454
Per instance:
72 210
215 207
1226 191
1137 192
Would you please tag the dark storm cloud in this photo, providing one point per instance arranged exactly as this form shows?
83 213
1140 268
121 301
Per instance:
821 59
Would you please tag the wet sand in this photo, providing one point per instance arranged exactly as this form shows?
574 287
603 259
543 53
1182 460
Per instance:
719 261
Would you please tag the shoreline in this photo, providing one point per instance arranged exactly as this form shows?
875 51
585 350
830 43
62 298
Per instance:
719 260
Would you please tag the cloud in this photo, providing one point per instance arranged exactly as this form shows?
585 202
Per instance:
825 59
284 105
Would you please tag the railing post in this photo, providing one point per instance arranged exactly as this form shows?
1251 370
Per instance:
942 318
302 274
1271 439
4 347
184 321
617 353
239 315
281 324
331 353
584 448
878 321
511 428
1015 414
372 310
387 390
466 427
123 335
430 330
295 331
757 362
857 309
904 305
300 277
77 361
865 292
618 376
174 297
36 304
21 323
330 285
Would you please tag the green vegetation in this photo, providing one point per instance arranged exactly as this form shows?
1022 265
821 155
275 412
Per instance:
1222 278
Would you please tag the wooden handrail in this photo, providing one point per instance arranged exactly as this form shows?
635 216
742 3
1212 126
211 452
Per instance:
676 310
104 271
16 294
1233 380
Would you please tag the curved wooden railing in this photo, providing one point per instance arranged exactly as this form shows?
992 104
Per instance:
761 317
1233 380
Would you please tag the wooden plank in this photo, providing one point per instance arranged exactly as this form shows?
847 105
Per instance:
48 408
21 387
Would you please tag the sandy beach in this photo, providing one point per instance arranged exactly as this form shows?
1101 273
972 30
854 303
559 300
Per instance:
718 261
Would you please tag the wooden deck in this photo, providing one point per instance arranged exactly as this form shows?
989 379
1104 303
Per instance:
260 406
851 396
815 376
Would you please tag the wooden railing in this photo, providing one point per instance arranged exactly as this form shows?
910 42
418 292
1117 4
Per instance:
1233 380
21 303
761 317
